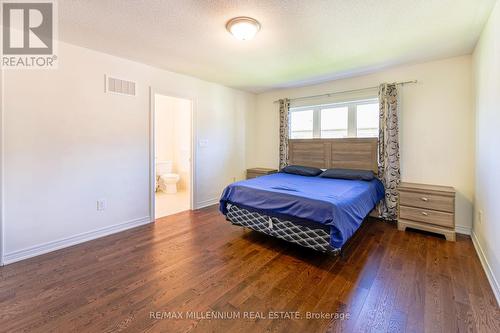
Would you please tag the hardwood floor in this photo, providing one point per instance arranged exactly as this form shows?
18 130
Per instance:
389 281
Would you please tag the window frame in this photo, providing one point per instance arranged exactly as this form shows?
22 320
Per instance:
352 130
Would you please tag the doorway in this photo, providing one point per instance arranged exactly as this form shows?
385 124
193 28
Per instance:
173 169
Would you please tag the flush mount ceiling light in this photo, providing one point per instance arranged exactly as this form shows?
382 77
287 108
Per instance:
243 28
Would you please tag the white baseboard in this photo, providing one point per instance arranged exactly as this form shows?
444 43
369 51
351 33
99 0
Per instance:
487 268
34 251
460 229
206 203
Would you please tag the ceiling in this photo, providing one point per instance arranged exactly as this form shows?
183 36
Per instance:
301 41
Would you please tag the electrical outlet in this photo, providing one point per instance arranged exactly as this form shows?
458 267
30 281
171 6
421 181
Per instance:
101 204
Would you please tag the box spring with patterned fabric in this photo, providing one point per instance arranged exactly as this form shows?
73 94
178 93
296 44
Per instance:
308 236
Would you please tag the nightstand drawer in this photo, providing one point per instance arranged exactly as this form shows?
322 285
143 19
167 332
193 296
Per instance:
251 175
426 216
257 172
427 201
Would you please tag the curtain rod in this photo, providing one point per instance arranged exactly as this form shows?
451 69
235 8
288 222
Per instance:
347 91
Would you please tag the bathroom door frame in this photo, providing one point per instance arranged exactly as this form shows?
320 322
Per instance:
152 166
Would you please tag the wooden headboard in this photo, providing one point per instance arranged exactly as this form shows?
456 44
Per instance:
350 153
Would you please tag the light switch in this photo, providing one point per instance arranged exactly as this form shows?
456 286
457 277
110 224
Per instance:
101 204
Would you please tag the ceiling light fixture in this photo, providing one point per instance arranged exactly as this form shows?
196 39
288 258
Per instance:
243 28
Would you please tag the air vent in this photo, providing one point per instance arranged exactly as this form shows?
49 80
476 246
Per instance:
118 86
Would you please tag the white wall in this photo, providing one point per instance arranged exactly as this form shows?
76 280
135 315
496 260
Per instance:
486 230
437 135
164 128
68 144
182 140
2 242
173 135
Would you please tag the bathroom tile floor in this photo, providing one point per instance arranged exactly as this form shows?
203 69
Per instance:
168 204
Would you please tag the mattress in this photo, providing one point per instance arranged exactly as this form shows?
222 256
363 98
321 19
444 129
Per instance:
337 204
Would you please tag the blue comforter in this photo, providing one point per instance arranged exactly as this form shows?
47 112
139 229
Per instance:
339 204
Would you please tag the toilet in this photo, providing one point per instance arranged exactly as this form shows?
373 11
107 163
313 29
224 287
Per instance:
166 180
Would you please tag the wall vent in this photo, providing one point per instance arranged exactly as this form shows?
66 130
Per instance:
118 86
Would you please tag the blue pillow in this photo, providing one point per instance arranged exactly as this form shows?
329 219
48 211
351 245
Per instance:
302 170
348 174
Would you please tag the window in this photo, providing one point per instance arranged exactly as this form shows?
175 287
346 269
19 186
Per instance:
340 120
367 116
334 122
301 124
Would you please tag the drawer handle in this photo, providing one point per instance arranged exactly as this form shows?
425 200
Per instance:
424 199
425 214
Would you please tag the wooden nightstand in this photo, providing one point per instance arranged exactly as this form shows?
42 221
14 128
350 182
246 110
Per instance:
427 207
257 172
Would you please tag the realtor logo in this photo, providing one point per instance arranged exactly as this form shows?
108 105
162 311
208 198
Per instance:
28 34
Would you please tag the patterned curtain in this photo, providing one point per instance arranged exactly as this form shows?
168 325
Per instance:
284 105
388 149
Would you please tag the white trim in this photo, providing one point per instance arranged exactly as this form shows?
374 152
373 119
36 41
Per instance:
152 172
152 166
334 105
72 240
460 229
495 286
352 124
206 203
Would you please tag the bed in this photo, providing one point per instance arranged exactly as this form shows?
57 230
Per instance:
314 212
